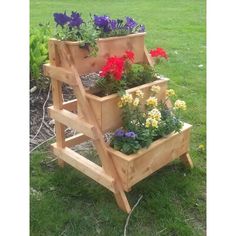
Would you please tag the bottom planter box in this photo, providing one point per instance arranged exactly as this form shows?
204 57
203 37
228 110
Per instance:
135 167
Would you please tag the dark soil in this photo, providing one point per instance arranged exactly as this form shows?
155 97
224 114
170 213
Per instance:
40 99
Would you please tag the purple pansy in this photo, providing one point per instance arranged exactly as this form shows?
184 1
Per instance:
130 134
76 20
119 133
130 23
61 18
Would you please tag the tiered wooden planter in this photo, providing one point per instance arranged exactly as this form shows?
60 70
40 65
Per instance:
92 116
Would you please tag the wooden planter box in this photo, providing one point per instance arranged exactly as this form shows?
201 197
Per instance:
107 112
135 167
85 63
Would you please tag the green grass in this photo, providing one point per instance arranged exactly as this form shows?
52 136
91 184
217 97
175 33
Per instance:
174 199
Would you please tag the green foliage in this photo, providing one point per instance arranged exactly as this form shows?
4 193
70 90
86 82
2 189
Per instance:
109 86
86 34
139 74
89 35
38 51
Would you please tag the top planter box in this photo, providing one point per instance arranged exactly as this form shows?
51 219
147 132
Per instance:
106 47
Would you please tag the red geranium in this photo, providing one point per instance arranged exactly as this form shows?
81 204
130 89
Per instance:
159 52
129 55
115 65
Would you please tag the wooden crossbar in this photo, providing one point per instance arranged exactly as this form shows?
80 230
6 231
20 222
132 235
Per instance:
72 120
59 73
84 165
70 105
75 140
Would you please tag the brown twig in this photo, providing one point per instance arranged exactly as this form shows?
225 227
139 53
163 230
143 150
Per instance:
127 220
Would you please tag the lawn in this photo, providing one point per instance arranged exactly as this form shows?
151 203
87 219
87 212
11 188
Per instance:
65 202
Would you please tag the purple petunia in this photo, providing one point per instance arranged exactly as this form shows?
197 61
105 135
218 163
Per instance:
61 18
113 24
130 23
142 28
101 21
119 133
130 134
75 20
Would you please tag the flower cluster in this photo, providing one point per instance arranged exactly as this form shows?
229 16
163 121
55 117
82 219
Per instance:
158 53
63 19
120 73
113 27
145 120
115 66
180 105
170 93
74 28
122 133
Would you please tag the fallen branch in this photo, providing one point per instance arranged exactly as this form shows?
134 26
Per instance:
127 220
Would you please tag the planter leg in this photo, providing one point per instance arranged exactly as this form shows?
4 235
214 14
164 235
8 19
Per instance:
60 162
122 201
186 159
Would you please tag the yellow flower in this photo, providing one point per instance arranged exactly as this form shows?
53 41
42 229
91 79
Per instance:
152 101
154 123
126 98
139 93
148 122
180 105
155 114
136 102
156 89
151 122
201 147
170 93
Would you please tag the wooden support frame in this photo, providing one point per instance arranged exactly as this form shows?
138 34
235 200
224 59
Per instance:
80 114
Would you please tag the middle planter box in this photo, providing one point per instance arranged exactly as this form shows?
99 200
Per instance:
108 114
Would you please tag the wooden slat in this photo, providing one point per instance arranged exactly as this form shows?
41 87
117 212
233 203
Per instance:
73 121
147 57
59 73
70 105
86 166
76 139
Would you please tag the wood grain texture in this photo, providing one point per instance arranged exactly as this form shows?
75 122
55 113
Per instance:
133 168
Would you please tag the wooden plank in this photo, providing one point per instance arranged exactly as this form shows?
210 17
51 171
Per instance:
76 139
73 121
147 57
84 63
57 96
53 54
86 166
70 105
186 159
59 73
107 163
